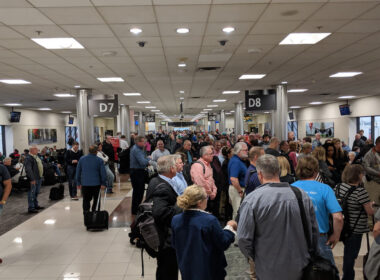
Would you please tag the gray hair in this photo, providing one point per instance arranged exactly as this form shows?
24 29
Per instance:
204 150
177 156
7 159
268 165
165 163
238 147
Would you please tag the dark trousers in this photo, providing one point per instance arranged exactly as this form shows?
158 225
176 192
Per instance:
167 267
71 172
89 193
138 185
112 167
351 252
213 205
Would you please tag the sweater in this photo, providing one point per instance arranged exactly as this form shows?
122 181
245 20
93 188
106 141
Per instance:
91 171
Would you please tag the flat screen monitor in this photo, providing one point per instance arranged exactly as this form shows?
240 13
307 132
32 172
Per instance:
71 120
15 117
344 109
163 123
291 115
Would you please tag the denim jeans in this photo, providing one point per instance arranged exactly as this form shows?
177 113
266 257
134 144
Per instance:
71 172
325 250
1 208
33 193
351 252
110 177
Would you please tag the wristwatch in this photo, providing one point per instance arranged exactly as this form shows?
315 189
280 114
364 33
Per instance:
3 202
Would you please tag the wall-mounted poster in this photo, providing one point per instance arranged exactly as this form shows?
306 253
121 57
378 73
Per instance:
38 136
326 129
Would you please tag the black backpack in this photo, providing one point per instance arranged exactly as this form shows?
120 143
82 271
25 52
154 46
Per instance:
57 193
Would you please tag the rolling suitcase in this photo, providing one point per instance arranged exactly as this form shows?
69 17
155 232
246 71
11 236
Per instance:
97 220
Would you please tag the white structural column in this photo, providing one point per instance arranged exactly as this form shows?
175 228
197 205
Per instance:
125 122
239 124
222 123
280 115
141 128
85 122
212 126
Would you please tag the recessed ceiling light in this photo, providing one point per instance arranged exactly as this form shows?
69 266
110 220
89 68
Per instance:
295 107
111 80
135 30
232 111
346 97
77 86
231 91
183 30
182 98
17 240
315 103
212 106
15 82
303 38
50 222
143 102
228 29
207 109
266 112
58 43
155 110
66 112
284 82
67 208
159 113
181 91
44 109
252 76
132 94
298 90
182 64
150 107
345 74
64 95
219 100
13 104
227 113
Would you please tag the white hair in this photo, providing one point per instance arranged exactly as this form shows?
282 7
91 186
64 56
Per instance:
238 147
165 163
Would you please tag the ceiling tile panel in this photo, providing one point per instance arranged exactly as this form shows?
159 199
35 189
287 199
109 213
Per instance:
148 30
348 10
97 43
60 3
285 12
185 13
120 3
215 40
321 25
15 4
275 27
7 33
223 13
181 2
241 28
152 42
46 31
93 30
361 26
241 1
273 39
19 44
169 29
135 14
22 16
70 15
145 51
182 41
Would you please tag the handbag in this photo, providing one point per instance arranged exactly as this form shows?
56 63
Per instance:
318 267
23 180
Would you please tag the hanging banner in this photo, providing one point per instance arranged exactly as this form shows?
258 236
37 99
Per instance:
260 100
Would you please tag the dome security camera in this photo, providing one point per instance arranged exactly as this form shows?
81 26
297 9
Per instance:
141 44
223 42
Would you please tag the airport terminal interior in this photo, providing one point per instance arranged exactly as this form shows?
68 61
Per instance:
83 72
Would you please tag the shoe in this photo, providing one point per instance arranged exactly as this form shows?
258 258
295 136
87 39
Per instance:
32 211
74 198
40 208
110 192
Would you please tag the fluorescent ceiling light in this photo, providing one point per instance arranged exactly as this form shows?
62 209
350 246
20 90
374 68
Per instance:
284 82
232 111
132 94
58 43
64 95
252 76
207 109
181 64
295 107
298 90
183 30
159 113
13 104
303 38
182 98
49 222
347 97
231 91
111 79
150 107
17 240
219 100
345 74
143 102
77 86
212 106
228 29
67 208
15 82
66 112
315 103
135 30
155 110
44 109
181 91
228 113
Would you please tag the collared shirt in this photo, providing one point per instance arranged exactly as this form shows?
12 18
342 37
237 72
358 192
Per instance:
189 157
204 179
158 153
138 158
172 183
39 164
316 143
180 182
237 169
123 144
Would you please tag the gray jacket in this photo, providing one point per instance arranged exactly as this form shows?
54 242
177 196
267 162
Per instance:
371 163
31 168
270 231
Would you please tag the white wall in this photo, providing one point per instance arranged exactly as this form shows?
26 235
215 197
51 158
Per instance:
17 133
344 126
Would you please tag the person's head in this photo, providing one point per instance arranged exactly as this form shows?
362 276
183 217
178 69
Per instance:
254 153
291 135
16 151
306 148
274 143
377 144
306 140
206 153
266 138
284 166
183 157
357 136
187 145
330 150
140 141
223 142
361 132
241 150
33 150
160 145
166 166
307 168
100 146
353 174
319 153
179 162
217 146
318 136
179 139
93 149
284 146
227 152
7 161
194 197
123 137
108 139
337 143
268 168
351 156
75 146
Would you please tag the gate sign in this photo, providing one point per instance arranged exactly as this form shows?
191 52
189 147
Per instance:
103 107
150 118
211 117
259 100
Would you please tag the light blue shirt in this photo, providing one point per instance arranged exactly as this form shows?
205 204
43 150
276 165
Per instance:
171 182
180 182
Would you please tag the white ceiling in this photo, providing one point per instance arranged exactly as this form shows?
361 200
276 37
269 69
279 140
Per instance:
102 26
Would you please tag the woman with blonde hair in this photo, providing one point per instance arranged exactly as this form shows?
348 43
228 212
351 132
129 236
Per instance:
285 175
198 238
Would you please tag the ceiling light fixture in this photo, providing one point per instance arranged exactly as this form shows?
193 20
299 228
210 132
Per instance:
345 74
252 76
66 112
132 94
64 95
347 97
15 82
111 80
13 104
231 91
58 43
232 111
44 109
303 38
207 109
212 106
150 107
143 102
77 86
298 90
228 29
183 30
135 30
181 91
284 82
219 100
50 222
182 98
182 64
295 107
155 110
315 103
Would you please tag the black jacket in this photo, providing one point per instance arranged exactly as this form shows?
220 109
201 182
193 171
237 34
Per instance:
70 156
108 150
31 168
164 207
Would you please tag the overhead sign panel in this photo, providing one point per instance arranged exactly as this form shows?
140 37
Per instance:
103 107
150 118
211 117
260 100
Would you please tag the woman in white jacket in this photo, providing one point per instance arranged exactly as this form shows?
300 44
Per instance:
110 176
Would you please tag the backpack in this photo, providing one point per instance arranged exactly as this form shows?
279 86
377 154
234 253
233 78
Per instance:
201 163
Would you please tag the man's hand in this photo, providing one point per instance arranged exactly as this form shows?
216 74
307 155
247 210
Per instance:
241 193
74 161
79 187
102 187
332 241
233 224
33 182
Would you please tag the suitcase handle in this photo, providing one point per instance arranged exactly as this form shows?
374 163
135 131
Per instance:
99 197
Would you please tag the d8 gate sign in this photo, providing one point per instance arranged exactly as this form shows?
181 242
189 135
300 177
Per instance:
260 100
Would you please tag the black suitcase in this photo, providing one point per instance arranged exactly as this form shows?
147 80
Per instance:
98 219
57 193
